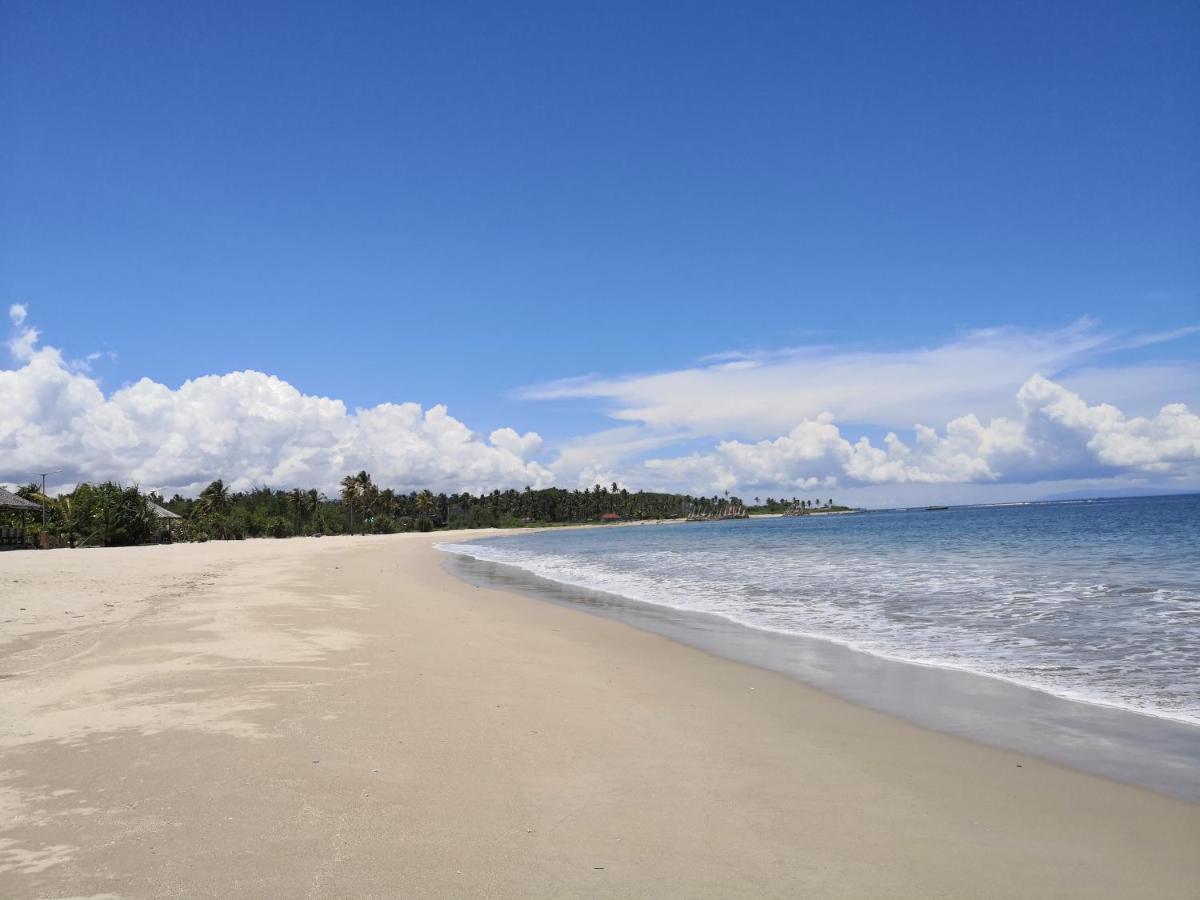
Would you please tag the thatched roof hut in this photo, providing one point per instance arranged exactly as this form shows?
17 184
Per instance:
9 500
173 522
161 511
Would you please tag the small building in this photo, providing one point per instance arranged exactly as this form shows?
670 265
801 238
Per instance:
172 522
610 517
11 536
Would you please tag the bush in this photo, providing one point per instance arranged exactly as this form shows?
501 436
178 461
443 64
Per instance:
481 517
279 527
107 515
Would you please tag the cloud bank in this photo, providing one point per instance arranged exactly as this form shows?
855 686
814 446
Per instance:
246 427
787 422
791 420
1058 436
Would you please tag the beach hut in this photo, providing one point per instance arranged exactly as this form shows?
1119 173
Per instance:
9 503
172 522
610 517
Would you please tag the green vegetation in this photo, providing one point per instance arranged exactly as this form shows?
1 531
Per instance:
100 515
795 506
109 515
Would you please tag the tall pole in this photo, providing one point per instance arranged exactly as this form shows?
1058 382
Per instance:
44 474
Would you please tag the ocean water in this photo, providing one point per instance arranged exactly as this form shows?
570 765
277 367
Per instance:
1095 601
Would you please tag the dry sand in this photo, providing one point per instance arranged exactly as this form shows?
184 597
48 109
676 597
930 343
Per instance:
342 718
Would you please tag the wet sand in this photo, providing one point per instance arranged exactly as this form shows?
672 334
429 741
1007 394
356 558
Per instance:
342 717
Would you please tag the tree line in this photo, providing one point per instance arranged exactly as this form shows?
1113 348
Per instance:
109 514
783 505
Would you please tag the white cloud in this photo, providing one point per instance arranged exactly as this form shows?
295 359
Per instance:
1058 436
1160 337
763 394
768 417
21 345
521 446
786 422
599 457
246 427
1059 419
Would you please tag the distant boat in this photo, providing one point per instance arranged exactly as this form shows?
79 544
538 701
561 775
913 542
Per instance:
933 508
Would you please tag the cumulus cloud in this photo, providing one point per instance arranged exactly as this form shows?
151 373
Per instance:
778 419
1057 436
755 421
246 427
24 339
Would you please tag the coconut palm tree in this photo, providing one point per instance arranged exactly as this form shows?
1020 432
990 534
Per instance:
214 499
312 506
210 512
368 496
351 490
293 500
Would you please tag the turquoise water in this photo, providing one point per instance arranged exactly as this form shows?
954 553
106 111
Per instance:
1097 601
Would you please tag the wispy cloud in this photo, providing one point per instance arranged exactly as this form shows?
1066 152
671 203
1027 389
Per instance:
978 371
1158 337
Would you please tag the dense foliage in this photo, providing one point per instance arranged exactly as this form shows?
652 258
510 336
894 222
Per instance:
109 515
98 515
362 507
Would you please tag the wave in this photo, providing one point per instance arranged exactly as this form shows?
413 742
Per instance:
970 620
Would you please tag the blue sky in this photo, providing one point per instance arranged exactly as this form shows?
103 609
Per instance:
451 203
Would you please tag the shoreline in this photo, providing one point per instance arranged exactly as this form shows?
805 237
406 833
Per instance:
1124 745
590 593
346 717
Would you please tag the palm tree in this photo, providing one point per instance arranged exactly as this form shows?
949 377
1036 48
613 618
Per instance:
312 505
307 507
31 492
351 488
214 499
70 517
368 497
296 502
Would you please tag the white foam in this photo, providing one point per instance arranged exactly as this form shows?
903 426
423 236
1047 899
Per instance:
1074 638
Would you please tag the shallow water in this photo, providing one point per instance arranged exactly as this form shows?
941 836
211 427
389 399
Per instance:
1090 601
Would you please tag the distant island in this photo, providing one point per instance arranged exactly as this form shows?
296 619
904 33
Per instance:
796 507
1113 494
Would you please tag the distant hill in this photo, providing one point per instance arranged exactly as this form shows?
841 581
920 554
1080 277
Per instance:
1114 494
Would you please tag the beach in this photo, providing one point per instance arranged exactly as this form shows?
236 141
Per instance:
343 717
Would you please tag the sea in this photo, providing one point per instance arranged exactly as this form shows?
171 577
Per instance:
1089 610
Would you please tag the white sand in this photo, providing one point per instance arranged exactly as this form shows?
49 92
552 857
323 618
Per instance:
340 717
